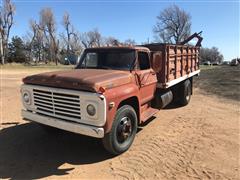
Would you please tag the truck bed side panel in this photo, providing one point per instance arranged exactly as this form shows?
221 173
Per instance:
178 61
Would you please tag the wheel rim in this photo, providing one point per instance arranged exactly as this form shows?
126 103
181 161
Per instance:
124 129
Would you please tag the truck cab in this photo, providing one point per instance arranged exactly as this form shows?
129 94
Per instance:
110 92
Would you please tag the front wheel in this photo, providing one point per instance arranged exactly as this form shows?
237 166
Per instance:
123 131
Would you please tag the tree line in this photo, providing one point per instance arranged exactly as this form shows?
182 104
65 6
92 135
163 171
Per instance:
43 43
211 54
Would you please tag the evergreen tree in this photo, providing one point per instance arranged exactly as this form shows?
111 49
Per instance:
16 51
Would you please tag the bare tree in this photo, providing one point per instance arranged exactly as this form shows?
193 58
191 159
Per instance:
91 39
212 55
72 39
30 37
48 25
129 42
6 22
75 43
111 41
173 25
36 44
70 33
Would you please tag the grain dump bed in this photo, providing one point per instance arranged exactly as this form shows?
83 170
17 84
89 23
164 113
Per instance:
174 63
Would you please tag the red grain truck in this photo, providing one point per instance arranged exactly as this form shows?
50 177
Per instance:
112 90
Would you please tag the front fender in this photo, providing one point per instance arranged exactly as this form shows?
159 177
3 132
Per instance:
117 95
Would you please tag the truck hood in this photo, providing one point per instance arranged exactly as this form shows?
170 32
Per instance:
81 79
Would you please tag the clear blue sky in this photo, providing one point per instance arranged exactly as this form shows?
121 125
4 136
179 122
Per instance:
219 20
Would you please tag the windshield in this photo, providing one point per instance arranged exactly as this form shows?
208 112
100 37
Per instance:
107 59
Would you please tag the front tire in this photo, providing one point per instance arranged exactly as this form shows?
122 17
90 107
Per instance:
123 131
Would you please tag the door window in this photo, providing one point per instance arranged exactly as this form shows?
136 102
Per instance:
143 60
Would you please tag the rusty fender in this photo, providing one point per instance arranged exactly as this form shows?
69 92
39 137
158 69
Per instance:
116 96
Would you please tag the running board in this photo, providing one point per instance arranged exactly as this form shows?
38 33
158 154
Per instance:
148 113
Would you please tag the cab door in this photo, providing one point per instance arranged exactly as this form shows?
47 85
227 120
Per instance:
146 77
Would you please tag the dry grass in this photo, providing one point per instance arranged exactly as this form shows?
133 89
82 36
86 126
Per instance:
223 81
24 67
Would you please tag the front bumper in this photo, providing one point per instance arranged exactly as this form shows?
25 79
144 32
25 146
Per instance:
83 129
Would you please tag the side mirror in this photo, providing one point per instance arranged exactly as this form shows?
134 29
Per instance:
157 61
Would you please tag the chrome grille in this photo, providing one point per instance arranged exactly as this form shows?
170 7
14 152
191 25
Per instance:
56 104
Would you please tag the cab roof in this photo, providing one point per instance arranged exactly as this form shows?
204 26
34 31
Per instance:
120 47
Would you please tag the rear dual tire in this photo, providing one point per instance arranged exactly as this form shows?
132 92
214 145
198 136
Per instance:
185 93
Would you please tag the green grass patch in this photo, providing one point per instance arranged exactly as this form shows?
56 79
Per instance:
206 67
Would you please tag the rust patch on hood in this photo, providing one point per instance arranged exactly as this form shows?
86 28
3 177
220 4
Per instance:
81 79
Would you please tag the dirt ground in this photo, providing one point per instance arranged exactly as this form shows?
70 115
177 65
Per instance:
199 141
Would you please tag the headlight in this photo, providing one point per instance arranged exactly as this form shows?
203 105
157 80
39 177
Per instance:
26 97
91 110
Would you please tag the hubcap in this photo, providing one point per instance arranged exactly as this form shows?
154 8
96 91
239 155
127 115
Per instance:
124 129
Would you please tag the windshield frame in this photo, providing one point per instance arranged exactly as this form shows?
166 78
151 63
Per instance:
96 50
